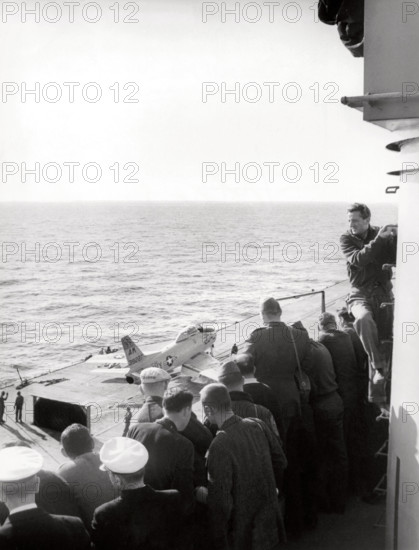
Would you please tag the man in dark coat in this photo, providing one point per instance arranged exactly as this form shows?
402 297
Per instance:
3 397
274 349
259 392
349 383
346 324
367 248
327 408
171 455
18 406
245 464
29 527
55 495
154 383
342 351
242 403
127 421
141 517
88 483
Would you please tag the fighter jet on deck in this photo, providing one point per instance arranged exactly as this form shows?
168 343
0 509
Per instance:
187 351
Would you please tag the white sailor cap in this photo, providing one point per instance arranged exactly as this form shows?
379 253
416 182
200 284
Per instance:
153 374
123 455
18 463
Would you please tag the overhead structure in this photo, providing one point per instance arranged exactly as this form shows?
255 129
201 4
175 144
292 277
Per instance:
391 100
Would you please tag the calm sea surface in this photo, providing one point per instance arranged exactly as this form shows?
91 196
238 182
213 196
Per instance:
75 277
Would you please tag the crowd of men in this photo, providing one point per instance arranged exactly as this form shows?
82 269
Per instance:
285 434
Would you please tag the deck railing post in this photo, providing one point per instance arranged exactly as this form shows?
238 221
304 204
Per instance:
323 293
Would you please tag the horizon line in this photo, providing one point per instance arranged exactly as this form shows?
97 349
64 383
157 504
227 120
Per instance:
213 201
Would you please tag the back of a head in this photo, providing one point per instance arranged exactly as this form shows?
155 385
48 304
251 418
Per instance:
229 374
246 364
360 207
327 320
345 317
176 401
217 396
270 307
76 440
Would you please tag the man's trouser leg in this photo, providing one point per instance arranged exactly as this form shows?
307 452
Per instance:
366 328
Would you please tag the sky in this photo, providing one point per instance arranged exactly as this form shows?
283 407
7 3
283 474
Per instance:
163 126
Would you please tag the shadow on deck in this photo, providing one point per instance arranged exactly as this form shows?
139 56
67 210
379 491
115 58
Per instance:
353 530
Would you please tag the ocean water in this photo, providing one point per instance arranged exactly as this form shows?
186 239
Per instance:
78 276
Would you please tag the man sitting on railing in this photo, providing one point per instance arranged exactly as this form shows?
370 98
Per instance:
367 248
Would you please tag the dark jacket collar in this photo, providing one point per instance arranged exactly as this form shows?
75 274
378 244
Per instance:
230 422
240 396
136 494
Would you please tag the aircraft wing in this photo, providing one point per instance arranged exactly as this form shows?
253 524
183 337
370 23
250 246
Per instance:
106 361
203 365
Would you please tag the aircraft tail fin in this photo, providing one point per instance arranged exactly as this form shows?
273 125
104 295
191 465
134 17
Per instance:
132 351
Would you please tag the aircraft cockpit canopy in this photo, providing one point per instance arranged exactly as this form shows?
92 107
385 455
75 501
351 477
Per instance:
187 333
